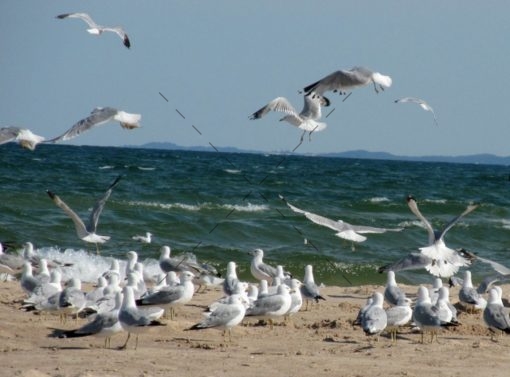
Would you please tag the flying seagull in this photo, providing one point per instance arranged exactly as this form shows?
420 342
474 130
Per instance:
438 259
96 29
22 136
87 232
97 117
424 105
344 80
306 120
344 230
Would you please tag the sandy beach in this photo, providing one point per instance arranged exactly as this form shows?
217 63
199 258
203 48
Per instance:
319 342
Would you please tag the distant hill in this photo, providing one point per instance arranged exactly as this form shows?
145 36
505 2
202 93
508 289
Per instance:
485 158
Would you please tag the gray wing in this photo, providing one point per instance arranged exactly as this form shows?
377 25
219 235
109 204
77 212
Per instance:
495 265
221 315
97 117
341 80
279 104
264 305
132 317
270 270
397 314
81 230
496 316
121 33
454 221
166 295
413 206
8 134
423 104
392 294
412 261
372 229
98 207
82 16
100 322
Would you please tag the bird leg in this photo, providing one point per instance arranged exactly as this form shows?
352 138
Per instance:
123 347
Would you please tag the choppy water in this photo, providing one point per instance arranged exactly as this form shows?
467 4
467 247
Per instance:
220 206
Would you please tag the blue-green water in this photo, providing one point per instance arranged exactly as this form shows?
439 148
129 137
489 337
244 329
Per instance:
220 206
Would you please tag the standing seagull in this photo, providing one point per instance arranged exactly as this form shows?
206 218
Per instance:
310 290
96 29
22 136
87 232
424 105
344 80
306 120
97 117
445 261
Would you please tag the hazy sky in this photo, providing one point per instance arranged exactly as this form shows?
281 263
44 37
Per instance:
219 61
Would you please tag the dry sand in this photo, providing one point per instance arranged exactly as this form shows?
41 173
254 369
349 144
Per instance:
320 342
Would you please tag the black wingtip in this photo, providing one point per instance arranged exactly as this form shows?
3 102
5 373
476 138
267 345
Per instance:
410 197
310 87
62 16
127 43
51 194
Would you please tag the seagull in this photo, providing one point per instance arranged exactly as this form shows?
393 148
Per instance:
392 292
170 296
97 117
343 80
224 316
143 239
495 315
103 325
22 136
344 230
87 232
374 320
424 105
96 29
261 270
134 320
445 262
310 290
398 315
306 120
426 316
469 296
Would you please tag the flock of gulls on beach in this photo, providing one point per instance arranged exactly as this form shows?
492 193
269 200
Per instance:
128 300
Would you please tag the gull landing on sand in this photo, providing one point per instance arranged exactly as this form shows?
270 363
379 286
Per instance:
344 80
97 117
438 259
344 230
306 120
22 136
424 105
96 29
87 232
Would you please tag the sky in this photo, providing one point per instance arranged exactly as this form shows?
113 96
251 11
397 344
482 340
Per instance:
218 61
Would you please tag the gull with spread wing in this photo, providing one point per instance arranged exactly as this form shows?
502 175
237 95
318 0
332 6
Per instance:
98 116
344 230
424 105
345 80
306 120
96 29
87 232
